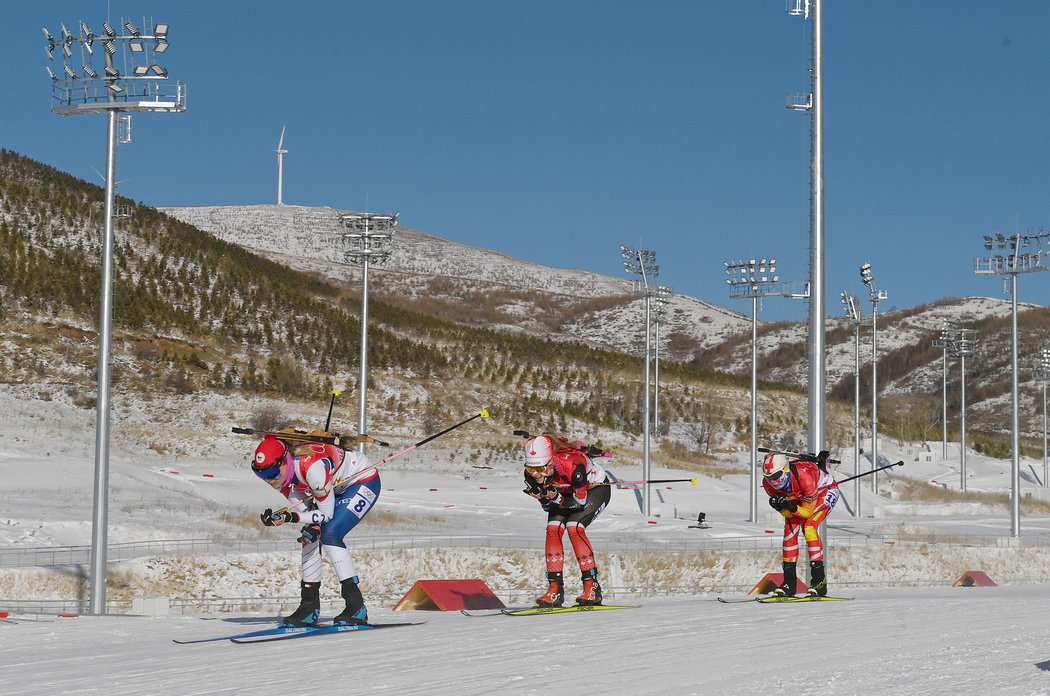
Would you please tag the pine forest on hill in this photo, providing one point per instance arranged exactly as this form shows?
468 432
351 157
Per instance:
195 313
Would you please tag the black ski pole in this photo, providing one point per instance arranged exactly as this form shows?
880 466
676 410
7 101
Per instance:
645 481
328 421
888 466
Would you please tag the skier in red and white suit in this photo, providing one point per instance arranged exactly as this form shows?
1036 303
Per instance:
564 480
335 488
804 494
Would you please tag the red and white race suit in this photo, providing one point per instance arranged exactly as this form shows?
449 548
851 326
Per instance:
815 492
319 473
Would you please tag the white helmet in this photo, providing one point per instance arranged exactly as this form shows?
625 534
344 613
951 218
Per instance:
538 451
774 465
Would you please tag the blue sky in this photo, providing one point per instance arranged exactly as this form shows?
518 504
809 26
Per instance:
557 131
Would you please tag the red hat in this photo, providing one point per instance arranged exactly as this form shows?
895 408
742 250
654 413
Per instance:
269 453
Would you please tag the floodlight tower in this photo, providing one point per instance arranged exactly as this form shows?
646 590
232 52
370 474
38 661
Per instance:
1012 265
849 303
876 296
661 295
753 279
944 342
138 85
281 152
368 239
1043 375
813 103
963 344
642 262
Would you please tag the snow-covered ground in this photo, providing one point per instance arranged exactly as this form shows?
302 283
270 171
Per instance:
445 513
887 642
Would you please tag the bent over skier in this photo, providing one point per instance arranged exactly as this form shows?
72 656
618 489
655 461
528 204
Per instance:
564 479
336 488
804 493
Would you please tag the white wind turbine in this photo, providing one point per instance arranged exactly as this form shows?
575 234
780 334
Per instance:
280 167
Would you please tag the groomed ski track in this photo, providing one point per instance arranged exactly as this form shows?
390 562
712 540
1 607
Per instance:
889 641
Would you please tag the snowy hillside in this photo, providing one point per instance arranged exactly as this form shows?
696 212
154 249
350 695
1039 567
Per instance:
488 289
422 265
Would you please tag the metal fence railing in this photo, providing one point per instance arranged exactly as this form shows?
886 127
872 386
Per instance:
52 556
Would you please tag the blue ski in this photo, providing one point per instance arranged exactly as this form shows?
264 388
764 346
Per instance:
280 630
317 631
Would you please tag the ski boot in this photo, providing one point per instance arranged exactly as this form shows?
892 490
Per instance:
790 584
818 581
592 591
555 595
355 611
309 608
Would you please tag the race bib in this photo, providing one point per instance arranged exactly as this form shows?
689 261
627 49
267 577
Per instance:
361 502
831 498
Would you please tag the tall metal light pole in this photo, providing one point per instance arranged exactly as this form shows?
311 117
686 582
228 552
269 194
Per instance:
643 262
661 295
103 89
752 280
368 239
944 342
876 297
849 303
1043 375
964 343
813 103
1012 265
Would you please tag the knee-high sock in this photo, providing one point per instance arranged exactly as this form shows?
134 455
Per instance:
790 548
582 546
553 548
311 560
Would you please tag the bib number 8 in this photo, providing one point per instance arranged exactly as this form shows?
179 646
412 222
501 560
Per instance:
359 505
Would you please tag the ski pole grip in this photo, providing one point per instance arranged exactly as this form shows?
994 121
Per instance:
243 431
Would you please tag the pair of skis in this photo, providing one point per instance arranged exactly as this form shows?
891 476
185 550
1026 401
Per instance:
287 632
537 611
774 599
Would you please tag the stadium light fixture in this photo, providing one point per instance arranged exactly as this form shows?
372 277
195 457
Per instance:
754 279
812 103
964 344
1019 258
661 296
1043 375
642 262
106 94
876 296
368 239
849 303
943 342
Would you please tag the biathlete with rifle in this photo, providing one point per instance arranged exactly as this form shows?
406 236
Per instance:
568 484
802 490
336 488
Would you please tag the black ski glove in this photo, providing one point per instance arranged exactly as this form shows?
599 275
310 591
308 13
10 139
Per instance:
276 519
309 534
533 487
